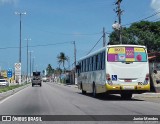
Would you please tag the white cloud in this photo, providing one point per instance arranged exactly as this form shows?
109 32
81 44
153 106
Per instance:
8 2
155 4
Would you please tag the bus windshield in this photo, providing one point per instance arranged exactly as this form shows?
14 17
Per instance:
127 54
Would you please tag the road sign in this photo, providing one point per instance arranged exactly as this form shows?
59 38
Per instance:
17 68
18 72
9 73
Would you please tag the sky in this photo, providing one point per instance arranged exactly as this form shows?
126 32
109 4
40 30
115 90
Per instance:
53 25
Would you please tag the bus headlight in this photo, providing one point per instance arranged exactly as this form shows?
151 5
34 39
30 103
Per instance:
109 81
146 79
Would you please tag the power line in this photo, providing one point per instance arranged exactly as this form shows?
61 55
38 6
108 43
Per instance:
37 45
154 14
8 47
50 44
95 45
156 20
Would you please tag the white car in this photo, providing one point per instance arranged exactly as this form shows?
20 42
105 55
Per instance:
44 79
4 82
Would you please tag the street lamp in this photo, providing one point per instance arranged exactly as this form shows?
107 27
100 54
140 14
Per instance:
20 14
74 43
33 59
27 39
30 62
117 26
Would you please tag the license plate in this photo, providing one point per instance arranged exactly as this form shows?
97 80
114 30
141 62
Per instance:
127 80
128 87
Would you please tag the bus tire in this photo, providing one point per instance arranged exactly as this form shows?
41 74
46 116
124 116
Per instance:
83 91
94 91
126 96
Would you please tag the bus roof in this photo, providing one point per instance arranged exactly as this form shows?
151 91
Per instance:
130 45
108 46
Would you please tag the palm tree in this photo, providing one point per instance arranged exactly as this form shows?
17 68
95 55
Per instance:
62 58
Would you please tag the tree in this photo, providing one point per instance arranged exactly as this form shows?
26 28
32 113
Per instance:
62 58
57 71
43 72
140 33
49 70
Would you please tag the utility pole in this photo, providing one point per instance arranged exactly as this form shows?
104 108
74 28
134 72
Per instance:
20 14
33 64
74 43
30 53
27 56
104 37
119 13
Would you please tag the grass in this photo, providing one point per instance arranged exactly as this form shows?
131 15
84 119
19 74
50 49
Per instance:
5 89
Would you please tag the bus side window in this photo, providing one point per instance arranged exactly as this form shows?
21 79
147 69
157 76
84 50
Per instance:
87 64
99 61
90 64
94 63
103 60
84 65
80 70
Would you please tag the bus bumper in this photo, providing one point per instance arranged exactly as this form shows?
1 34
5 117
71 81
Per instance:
134 88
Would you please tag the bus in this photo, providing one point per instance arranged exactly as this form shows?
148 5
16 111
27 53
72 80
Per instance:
114 69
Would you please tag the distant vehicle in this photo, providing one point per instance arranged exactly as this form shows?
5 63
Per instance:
4 82
115 69
36 79
44 79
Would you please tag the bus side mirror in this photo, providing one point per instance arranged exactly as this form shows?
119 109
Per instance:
77 67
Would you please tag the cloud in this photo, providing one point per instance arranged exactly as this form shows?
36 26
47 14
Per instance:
8 2
155 4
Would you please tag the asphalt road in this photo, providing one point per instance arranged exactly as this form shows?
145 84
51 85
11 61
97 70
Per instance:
55 99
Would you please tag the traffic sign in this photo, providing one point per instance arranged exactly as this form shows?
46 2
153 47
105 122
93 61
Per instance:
17 69
9 73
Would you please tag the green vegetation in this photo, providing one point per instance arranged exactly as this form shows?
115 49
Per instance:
5 89
49 70
62 58
140 33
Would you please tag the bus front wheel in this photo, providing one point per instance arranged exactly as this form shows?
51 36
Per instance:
83 91
94 91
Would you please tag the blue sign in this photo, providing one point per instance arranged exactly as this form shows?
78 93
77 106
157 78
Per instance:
9 73
114 77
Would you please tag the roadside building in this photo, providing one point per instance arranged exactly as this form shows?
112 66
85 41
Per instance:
154 66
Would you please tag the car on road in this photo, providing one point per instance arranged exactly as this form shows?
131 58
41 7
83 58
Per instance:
36 79
44 79
4 82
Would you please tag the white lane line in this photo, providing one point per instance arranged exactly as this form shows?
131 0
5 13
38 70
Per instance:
5 99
